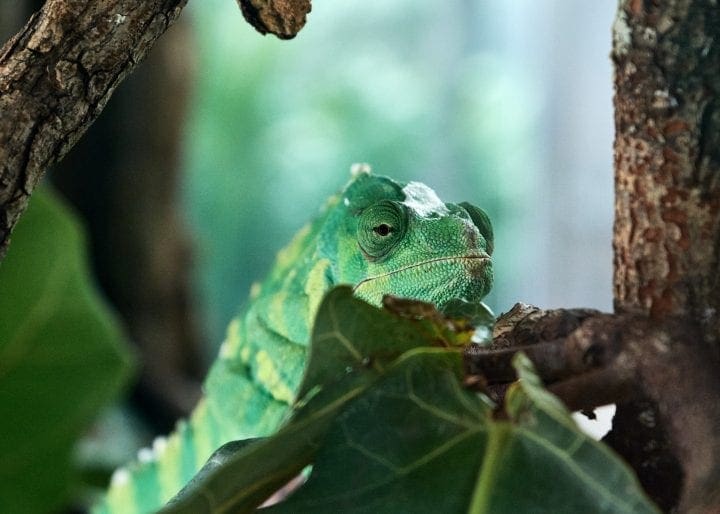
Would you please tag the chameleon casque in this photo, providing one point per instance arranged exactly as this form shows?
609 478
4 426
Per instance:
380 236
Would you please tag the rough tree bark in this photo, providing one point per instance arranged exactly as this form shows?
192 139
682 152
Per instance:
658 356
667 160
56 76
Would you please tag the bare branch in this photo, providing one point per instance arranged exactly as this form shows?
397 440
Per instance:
56 76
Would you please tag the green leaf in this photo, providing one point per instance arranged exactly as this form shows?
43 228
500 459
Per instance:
562 468
411 443
348 354
350 336
62 356
388 428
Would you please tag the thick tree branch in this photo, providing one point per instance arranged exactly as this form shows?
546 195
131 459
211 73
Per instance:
56 76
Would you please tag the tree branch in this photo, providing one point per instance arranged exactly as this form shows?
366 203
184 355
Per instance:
284 18
56 75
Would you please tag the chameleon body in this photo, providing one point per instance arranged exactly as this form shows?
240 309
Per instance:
378 235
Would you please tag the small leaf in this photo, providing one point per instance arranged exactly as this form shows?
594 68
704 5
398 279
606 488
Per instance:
62 356
543 463
476 315
350 335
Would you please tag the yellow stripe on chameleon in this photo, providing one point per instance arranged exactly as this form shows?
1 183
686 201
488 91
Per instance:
315 287
231 346
268 375
203 437
121 496
255 289
276 311
245 354
287 256
167 453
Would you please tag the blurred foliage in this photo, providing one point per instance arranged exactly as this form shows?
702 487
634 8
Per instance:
62 357
276 125
388 427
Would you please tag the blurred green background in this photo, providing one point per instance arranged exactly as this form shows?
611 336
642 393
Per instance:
224 143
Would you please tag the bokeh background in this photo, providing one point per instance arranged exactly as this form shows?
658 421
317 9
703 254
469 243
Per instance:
224 142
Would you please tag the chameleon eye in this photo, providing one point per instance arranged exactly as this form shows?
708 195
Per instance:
380 227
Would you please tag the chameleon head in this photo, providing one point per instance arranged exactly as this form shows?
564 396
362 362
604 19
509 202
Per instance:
402 240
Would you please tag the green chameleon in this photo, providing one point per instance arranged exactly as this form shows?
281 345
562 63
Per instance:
380 236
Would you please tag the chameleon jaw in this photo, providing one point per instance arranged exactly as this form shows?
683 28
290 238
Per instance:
471 273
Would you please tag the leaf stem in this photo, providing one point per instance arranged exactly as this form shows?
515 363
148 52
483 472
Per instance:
498 437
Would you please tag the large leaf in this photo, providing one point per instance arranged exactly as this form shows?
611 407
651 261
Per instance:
349 353
62 356
391 429
412 443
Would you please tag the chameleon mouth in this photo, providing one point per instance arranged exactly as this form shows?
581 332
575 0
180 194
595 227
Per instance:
477 263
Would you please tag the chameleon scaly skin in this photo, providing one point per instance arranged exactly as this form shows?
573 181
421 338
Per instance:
378 235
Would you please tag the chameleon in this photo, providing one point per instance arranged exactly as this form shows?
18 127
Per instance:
381 237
